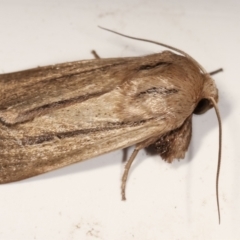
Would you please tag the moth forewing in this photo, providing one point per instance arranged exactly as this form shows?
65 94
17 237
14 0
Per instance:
101 118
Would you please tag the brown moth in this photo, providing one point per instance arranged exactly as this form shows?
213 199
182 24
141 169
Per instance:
61 114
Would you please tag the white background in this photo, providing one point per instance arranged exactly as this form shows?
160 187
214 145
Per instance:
164 201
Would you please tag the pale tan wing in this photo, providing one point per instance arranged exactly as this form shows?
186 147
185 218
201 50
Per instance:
40 90
63 120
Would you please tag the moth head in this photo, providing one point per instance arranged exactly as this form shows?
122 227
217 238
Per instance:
209 91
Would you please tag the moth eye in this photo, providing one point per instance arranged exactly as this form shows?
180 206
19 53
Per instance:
202 107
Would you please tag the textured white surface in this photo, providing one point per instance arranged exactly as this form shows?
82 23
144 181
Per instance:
164 201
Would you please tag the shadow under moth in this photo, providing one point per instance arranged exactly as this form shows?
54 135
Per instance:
61 114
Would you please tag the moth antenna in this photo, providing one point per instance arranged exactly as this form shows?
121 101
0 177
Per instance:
161 44
128 165
219 154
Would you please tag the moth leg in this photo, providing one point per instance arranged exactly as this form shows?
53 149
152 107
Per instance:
174 144
126 170
124 158
95 54
138 147
215 72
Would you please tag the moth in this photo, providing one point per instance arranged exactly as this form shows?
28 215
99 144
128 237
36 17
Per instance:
61 114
